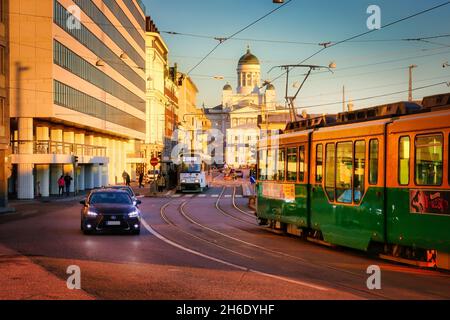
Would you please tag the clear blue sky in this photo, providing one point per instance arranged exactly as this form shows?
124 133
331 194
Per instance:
310 21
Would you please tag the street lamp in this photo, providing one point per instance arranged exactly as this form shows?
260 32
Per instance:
445 65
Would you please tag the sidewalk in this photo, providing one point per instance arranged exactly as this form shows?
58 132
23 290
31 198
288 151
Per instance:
21 279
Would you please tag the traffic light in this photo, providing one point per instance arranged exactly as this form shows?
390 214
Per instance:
75 159
159 154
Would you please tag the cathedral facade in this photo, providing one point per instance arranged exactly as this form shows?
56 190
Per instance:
237 116
244 107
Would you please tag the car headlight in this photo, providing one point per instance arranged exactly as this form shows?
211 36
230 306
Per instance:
133 214
197 181
92 213
183 180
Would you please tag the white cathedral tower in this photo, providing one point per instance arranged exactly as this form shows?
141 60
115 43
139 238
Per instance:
248 86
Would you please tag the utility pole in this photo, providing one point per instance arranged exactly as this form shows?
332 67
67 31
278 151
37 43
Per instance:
410 96
343 99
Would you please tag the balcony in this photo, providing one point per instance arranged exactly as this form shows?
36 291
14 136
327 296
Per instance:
54 152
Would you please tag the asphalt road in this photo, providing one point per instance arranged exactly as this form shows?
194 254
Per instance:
205 247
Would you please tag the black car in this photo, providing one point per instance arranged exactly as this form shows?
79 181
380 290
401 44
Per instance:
127 189
110 210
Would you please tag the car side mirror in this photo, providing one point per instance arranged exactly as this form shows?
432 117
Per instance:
83 202
138 202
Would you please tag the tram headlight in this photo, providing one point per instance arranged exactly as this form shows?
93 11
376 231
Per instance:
196 181
183 180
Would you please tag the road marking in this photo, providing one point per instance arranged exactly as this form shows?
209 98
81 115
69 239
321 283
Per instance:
239 267
202 195
227 196
214 196
238 196
188 195
176 195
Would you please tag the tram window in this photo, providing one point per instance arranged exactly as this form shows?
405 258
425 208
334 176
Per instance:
359 173
271 164
429 163
344 171
262 165
292 164
301 164
330 174
373 161
403 159
319 163
281 165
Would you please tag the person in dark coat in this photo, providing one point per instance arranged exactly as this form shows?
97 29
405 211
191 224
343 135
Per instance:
67 180
141 179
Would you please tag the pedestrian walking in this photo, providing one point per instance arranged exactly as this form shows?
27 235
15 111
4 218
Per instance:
61 184
141 179
67 181
124 177
128 180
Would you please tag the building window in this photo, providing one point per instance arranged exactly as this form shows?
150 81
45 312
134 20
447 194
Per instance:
301 163
292 164
2 58
330 174
429 163
373 161
359 173
2 118
404 155
319 163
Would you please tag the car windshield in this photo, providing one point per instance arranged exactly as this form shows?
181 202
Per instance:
123 188
110 197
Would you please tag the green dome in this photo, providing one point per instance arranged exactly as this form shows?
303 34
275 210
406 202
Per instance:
248 58
227 87
270 87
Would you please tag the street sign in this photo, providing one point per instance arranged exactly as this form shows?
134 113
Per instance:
154 162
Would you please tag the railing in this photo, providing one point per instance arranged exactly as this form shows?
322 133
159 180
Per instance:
56 147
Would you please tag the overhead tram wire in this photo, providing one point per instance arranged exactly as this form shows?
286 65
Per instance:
327 45
303 42
222 40
361 99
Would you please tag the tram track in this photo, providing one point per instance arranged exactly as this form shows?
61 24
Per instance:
227 214
214 242
182 210
239 209
183 247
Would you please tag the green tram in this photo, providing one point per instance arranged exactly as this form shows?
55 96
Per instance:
375 179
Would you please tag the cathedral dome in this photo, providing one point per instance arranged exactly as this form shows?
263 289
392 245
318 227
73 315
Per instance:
227 87
248 58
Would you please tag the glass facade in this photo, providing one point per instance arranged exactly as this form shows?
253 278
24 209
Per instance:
76 100
69 60
126 23
88 39
108 28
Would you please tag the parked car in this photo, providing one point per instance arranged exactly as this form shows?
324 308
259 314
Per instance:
110 210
